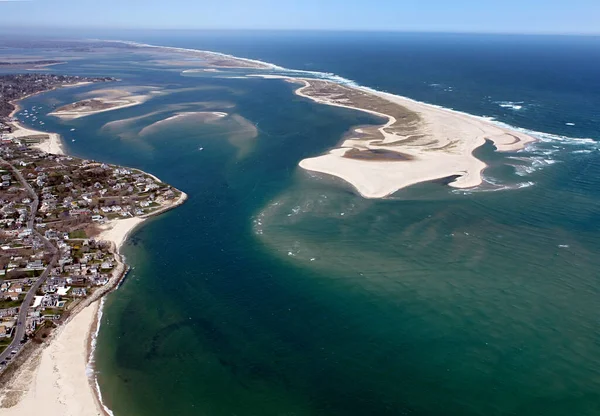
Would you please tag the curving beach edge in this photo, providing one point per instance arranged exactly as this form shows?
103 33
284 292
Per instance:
416 143
57 378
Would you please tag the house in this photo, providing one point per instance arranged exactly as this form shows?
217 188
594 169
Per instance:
12 295
106 265
76 280
50 300
25 233
35 265
8 312
79 292
4 331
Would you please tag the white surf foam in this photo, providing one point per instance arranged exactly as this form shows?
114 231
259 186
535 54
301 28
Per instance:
91 367
219 54
513 105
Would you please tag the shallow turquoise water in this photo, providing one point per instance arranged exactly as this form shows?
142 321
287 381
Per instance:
276 292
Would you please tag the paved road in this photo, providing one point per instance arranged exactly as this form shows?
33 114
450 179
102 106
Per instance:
30 296
34 198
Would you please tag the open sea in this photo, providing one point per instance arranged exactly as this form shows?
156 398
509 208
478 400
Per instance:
275 292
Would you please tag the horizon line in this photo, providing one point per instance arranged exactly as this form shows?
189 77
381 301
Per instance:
22 28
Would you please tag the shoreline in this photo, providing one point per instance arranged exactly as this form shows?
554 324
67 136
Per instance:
252 63
439 144
53 144
52 364
50 378
118 105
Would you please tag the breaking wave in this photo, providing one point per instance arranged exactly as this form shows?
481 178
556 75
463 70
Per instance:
513 105
90 368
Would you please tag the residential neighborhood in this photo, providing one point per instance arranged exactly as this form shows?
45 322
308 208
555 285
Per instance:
51 209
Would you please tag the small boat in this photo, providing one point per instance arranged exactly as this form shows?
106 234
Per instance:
72 129
201 148
73 140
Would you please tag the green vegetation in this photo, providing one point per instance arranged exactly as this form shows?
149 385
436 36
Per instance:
7 303
78 234
4 343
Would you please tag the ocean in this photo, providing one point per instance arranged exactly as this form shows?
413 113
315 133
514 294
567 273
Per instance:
273 291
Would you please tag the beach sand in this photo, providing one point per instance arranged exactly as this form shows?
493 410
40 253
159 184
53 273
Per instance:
417 143
117 231
57 380
100 101
53 144
56 384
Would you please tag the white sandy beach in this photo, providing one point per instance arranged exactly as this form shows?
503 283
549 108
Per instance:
51 145
56 384
455 136
445 148
118 230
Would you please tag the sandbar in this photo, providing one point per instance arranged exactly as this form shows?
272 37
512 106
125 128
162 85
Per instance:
416 142
104 100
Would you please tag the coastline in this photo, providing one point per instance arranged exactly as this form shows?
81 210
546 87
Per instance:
438 144
51 380
51 377
53 144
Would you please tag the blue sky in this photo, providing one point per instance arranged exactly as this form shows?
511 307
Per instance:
509 16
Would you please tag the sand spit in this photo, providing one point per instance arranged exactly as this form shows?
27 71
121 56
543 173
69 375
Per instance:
416 143
192 71
213 59
435 143
102 101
